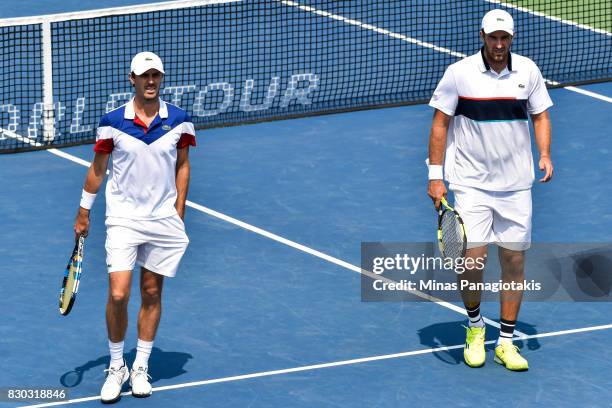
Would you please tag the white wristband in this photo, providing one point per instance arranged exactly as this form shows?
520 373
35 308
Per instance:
87 200
435 172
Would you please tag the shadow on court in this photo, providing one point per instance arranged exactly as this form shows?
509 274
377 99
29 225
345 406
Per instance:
442 335
530 330
452 333
162 365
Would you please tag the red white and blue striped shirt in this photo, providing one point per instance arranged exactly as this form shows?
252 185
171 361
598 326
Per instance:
142 181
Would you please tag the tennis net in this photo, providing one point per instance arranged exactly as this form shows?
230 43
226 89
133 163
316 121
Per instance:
232 62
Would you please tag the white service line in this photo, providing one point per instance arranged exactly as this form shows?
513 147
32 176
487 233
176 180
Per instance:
300 247
372 28
549 17
323 365
68 156
564 332
113 11
333 260
589 93
425 44
13 135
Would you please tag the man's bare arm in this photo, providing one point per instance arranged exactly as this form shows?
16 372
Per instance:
543 136
437 145
93 181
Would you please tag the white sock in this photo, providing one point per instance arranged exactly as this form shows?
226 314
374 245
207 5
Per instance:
143 351
116 354
476 322
503 340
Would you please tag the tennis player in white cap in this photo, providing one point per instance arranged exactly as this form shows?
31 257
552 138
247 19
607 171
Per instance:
480 144
148 140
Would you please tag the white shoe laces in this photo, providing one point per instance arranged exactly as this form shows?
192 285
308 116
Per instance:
116 374
140 371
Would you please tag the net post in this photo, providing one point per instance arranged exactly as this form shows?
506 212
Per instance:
48 111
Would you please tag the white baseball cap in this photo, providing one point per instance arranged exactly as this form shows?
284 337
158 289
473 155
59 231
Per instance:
498 20
144 61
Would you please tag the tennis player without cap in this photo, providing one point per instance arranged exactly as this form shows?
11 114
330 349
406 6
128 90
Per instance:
149 141
480 131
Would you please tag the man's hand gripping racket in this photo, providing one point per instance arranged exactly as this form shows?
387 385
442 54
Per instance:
452 239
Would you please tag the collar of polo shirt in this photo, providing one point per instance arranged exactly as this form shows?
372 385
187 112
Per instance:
130 114
484 65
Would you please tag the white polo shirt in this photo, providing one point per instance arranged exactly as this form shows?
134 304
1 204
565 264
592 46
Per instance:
142 181
488 145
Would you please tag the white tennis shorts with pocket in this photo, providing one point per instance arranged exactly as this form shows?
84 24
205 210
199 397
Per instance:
157 245
499 217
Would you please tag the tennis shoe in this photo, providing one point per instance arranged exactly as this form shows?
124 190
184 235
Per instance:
116 377
507 354
474 349
139 380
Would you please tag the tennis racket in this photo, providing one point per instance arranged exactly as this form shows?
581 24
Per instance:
452 239
72 276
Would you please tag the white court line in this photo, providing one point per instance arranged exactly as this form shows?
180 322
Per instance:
13 135
418 42
372 28
300 247
549 17
324 365
589 93
70 157
106 12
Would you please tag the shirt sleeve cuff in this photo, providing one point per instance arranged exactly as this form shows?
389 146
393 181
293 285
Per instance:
442 109
186 140
104 146
540 109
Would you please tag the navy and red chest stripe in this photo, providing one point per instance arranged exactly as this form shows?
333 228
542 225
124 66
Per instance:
492 109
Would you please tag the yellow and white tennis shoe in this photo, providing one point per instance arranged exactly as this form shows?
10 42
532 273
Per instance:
474 349
507 354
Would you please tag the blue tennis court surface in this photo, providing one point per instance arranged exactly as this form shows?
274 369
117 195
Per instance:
265 310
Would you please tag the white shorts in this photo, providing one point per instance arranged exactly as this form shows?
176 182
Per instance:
500 217
157 245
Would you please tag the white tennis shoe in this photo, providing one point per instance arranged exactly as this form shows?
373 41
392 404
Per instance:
111 390
139 380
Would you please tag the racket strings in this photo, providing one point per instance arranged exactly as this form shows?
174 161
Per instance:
452 235
70 283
